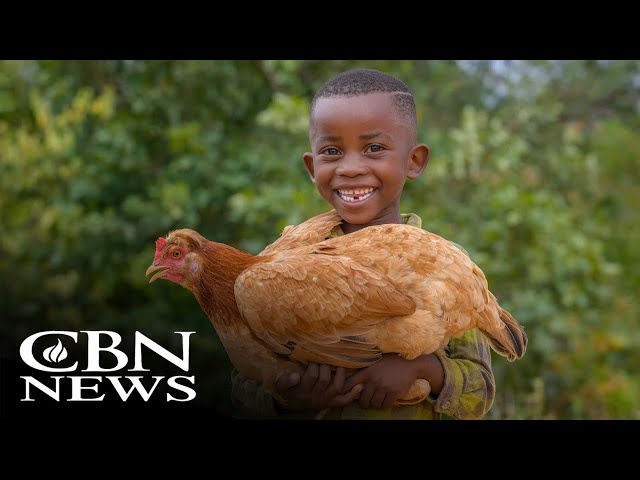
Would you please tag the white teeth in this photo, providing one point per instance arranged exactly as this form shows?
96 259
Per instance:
356 191
356 194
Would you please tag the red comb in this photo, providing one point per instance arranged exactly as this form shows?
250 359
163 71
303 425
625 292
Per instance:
160 243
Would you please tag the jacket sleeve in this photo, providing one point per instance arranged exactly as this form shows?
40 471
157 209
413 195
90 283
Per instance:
249 398
469 385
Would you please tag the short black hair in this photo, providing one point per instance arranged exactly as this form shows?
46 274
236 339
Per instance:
361 81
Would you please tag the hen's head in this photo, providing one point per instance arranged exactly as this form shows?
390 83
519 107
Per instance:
177 257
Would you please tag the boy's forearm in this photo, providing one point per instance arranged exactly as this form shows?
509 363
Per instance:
430 368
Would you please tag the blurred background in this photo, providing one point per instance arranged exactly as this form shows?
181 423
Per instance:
534 170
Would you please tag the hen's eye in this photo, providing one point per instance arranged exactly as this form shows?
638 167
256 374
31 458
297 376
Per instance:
176 254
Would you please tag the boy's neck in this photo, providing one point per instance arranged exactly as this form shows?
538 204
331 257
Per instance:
350 227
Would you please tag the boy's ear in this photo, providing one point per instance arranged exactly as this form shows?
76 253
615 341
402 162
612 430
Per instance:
308 165
418 160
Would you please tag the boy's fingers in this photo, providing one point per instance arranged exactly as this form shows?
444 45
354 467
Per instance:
310 377
378 398
347 398
324 378
389 400
339 378
365 397
286 381
354 380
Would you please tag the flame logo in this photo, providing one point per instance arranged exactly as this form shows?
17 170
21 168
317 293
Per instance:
56 354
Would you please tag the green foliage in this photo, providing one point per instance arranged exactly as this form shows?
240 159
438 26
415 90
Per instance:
534 170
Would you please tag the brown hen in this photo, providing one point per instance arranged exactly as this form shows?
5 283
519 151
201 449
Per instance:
343 301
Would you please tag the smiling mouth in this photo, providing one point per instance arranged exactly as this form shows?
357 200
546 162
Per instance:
158 271
356 194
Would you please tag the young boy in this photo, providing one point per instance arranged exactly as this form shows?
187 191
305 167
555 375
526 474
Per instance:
363 135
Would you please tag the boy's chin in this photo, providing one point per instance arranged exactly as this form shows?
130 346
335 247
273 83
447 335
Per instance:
360 214
355 218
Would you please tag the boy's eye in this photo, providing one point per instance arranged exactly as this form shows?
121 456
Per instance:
375 148
330 151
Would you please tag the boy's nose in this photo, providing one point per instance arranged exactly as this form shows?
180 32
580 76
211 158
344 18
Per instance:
351 166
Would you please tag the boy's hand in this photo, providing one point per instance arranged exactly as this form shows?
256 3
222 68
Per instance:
385 381
317 389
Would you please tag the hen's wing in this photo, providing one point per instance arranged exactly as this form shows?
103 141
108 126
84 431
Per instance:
441 274
312 231
313 307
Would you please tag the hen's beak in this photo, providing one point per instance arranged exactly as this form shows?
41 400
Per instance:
159 272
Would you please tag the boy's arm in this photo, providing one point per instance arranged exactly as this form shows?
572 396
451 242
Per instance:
469 387
461 378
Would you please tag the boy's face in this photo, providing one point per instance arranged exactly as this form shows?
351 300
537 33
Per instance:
363 152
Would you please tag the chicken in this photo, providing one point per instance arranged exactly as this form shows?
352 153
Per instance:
341 301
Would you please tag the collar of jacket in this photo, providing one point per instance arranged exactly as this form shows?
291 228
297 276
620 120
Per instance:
408 218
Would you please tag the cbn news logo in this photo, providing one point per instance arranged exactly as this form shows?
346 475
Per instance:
82 384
